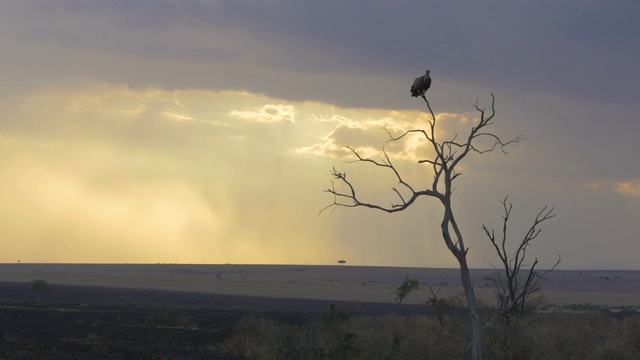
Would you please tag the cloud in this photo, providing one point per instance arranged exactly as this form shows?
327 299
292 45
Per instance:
369 136
626 188
188 118
268 114
330 51
101 172
177 117
85 179
629 188
100 202
363 136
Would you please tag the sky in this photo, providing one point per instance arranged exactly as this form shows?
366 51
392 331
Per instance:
205 131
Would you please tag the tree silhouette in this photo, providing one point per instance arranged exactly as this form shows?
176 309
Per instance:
448 155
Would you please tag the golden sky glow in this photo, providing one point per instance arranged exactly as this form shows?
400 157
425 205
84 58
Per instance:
110 174
106 173
205 131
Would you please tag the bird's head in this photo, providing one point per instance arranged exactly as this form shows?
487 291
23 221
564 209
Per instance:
428 72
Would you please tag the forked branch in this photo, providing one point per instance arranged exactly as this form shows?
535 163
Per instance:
350 198
447 154
512 287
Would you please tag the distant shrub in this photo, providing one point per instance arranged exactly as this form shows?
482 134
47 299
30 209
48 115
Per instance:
408 285
335 317
585 307
170 318
39 286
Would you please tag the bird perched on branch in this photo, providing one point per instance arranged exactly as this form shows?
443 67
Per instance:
421 85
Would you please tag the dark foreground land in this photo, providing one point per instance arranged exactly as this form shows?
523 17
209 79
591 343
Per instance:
87 322
81 322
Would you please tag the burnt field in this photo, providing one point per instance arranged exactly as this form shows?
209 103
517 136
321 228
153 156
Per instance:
87 322
83 322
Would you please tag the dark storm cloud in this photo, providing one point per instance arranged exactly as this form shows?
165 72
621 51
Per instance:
575 48
579 49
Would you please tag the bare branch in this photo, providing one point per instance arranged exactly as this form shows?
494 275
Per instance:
350 198
511 293
429 161
393 138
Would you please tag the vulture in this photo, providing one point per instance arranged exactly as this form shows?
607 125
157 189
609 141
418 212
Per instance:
421 85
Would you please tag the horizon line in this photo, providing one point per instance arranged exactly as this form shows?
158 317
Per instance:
310 265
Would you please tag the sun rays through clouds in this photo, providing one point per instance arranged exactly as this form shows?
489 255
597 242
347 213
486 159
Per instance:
146 175
184 175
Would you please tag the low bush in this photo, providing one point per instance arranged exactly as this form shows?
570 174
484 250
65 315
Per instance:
170 318
393 336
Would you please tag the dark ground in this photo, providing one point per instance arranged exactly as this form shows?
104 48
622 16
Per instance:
83 322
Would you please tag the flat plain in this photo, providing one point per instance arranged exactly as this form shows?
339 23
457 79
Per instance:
167 311
331 282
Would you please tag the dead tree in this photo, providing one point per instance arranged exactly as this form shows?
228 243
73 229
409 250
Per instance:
514 287
448 154
513 283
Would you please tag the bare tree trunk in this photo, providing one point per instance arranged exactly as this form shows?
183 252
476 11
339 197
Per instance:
476 342
459 250
461 255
